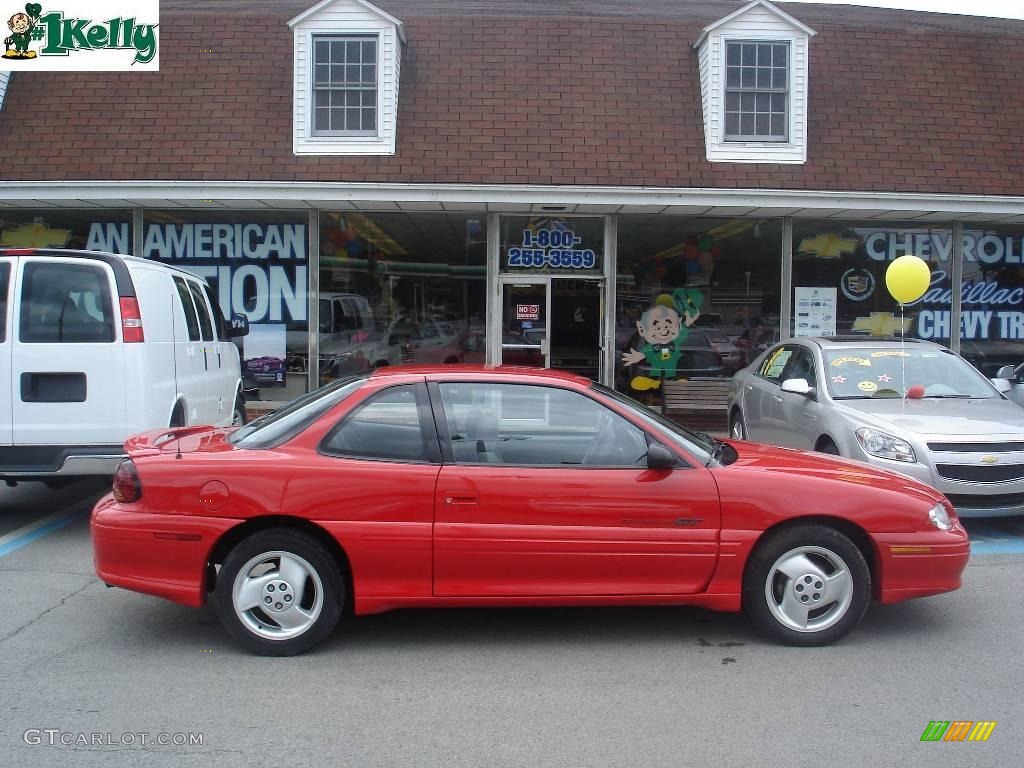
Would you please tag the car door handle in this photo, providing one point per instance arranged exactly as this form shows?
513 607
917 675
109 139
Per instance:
777 398
463 501
749 388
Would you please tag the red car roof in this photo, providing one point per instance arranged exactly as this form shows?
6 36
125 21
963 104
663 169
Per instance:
450 370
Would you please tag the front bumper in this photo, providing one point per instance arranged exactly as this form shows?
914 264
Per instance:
928 563
156 554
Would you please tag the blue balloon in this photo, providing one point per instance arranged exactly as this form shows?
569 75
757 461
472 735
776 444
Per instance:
356 247
691 266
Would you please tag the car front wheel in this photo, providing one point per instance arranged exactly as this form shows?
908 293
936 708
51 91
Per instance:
737 428
807 585
279 592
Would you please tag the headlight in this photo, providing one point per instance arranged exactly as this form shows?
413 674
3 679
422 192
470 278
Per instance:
939 517
884 446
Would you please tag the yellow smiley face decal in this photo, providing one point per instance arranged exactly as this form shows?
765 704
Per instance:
867 386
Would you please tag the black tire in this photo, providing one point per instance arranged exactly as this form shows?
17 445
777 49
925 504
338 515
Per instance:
295 543
771 550
238 417
736 421
827 446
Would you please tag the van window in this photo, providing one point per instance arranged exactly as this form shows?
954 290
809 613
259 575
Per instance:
66 303
218 317
5 279
205 323
190 310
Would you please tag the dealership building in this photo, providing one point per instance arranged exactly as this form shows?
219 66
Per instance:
514 181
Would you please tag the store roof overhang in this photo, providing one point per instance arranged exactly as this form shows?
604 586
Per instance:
758 203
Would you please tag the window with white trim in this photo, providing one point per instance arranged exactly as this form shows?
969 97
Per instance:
345 70
756 91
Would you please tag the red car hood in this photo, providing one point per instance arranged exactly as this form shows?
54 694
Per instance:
811 464
179 439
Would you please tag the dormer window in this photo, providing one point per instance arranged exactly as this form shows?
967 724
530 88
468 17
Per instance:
753 80
345 85
756 91
345 98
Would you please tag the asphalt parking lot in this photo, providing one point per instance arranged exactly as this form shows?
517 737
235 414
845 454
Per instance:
91 673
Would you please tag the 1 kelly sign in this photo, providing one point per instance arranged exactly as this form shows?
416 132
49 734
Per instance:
80 35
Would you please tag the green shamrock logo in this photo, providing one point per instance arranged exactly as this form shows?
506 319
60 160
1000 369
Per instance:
33 10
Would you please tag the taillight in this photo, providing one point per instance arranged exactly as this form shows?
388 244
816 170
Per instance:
127 487
131 320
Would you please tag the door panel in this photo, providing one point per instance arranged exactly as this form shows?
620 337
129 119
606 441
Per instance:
67 323
576 321
765 419
799 425
524 324
544 493
545 531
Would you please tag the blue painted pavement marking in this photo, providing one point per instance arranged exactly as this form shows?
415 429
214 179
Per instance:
25 535
1004 538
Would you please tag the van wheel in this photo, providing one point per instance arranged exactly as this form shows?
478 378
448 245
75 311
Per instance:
279 592
238 414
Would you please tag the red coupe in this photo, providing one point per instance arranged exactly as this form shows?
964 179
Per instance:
468 486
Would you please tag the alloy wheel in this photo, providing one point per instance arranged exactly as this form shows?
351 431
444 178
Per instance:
809 589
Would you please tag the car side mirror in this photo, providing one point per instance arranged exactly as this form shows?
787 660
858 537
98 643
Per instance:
798 387
1006 372
1001 384
238 326
660 457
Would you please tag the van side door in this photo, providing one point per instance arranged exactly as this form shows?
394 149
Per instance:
187 341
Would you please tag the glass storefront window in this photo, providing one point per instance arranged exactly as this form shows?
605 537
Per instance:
92 230
696 297
992 297
256 263
400 288
839 279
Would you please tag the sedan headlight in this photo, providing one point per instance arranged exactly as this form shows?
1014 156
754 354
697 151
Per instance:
884 446
939 517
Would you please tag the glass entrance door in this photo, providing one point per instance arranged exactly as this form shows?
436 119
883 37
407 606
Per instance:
552 322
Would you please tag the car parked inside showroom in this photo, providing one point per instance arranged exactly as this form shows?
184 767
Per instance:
905 405
471 486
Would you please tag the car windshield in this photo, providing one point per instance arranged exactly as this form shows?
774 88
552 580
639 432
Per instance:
287 421
859 373
699 446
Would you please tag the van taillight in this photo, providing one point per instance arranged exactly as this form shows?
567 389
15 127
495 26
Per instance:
127 487
131 320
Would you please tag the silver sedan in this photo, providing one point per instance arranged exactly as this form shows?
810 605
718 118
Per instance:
909 406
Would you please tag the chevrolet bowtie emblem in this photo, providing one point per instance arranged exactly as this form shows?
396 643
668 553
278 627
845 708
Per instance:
989 459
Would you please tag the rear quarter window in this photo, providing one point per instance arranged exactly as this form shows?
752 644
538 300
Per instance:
5 283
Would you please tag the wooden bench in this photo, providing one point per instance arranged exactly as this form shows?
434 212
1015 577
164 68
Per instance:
700 404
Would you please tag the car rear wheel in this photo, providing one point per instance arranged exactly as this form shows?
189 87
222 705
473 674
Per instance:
279 592
806 585
737 427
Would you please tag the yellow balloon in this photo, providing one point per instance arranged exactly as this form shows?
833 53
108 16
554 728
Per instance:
907 278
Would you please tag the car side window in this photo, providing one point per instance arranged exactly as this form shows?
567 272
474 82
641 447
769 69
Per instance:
775 363
219 322
801 366
205 322
526 425
191 321
387 427
5 280
66 303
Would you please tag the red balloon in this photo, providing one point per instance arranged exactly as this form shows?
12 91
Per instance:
691 251
916 392
716 249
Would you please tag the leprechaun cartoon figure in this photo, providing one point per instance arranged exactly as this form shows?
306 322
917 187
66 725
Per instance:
665 328
21 25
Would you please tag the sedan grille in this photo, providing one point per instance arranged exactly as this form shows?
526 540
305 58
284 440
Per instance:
984 474
994 501
976 447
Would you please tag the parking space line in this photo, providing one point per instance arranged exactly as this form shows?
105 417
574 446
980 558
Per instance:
19 538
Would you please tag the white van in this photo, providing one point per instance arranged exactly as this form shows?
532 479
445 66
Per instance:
95 347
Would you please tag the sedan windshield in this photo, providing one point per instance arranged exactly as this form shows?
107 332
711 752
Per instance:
853 374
